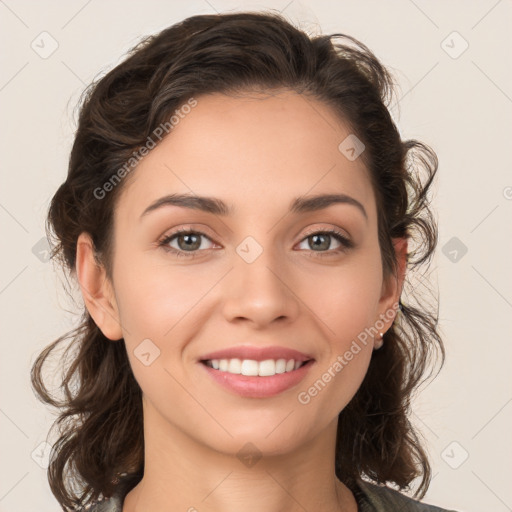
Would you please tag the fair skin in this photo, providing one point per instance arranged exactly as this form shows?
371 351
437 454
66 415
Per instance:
257 154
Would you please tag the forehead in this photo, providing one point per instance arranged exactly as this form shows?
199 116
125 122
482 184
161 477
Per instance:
255 151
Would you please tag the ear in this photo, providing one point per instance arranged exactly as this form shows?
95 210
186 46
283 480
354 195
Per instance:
96 289
392 286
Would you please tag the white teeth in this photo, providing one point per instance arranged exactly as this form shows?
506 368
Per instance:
280 365
253 368
266 368
249 367
235 366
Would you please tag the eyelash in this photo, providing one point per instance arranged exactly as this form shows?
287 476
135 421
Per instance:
346 244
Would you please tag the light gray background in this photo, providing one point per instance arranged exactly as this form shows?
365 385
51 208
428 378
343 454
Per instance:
459 104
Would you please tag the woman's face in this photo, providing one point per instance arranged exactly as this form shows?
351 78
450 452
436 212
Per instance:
254 277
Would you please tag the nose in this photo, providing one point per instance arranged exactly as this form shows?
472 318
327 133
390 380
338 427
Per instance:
259 293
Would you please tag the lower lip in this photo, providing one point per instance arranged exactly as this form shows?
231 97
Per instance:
258 387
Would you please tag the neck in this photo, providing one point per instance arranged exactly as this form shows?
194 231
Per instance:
181 473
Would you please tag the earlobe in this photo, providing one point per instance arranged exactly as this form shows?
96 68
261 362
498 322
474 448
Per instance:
96 289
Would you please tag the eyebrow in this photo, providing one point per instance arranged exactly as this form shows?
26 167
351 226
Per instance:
219 207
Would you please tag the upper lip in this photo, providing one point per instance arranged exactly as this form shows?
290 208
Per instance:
257 353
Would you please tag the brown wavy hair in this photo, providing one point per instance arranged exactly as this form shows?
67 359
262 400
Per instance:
100 448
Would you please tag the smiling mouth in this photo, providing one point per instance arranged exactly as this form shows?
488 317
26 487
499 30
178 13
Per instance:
253 368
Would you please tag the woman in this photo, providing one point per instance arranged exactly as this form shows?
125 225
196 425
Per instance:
237 212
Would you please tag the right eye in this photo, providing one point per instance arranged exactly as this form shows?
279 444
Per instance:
189 242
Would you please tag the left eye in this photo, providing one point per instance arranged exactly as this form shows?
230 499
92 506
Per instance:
322 240
189 243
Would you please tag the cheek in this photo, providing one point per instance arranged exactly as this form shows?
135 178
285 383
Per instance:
345 302
154 298
154 307
161 309
345 299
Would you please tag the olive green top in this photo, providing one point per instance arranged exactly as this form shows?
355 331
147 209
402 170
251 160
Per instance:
369 498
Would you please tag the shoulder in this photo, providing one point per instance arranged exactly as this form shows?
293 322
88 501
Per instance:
382 499
375 498
113 504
